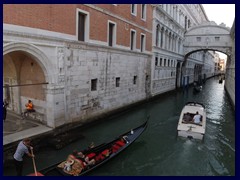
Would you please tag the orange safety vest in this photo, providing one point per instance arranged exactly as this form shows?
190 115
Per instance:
29 106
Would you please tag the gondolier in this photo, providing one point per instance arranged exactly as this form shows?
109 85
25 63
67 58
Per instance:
21 150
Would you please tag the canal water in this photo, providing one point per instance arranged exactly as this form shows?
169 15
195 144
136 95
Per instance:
158 151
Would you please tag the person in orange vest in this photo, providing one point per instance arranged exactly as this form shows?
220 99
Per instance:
29 108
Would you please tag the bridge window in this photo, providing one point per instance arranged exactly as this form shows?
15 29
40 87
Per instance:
198 39
217 38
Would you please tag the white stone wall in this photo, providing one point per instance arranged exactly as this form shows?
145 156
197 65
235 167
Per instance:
69 66
168 38
105 65
230 69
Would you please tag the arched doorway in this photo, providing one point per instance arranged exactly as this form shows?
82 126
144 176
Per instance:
25 77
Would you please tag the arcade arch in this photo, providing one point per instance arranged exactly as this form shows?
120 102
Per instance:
25 76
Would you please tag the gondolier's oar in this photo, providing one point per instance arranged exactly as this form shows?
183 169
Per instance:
34 165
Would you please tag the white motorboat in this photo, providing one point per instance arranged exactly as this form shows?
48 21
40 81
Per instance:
186 126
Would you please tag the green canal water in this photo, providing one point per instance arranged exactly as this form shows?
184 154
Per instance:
158 151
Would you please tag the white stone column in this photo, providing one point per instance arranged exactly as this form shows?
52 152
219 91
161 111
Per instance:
177 14
170 42
166 39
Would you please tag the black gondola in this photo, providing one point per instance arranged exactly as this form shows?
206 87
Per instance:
197 88
101 154
220 81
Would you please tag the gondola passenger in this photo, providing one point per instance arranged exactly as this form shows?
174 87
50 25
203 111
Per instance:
68 165
85 159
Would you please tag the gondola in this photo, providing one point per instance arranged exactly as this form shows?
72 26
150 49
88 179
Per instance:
101 154
220 81
197 89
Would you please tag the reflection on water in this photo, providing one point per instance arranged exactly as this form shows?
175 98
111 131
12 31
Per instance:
158 151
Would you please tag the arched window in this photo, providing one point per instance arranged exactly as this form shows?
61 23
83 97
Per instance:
161 39
185 22
157 35
189 23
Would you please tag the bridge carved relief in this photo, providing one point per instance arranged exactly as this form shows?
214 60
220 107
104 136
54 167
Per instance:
208 36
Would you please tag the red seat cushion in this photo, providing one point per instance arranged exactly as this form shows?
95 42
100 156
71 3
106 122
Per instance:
99 157
120 143
105 152
115 148
91 155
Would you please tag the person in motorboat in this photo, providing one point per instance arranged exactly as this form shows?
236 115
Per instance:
187 118
197 118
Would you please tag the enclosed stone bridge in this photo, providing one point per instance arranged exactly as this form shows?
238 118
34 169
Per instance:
208 36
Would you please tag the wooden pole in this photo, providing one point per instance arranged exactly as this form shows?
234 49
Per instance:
34 165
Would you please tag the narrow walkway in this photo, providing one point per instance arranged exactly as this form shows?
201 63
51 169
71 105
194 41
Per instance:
15 128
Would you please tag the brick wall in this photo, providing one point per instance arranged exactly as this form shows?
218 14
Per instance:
62 18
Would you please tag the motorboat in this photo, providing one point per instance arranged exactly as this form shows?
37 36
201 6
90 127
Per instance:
186 125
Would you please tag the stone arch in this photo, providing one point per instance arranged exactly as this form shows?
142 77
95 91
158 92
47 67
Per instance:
34 52
208 36
45 70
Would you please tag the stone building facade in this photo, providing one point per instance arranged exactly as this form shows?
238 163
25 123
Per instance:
79 61
170 66
76 61
230 70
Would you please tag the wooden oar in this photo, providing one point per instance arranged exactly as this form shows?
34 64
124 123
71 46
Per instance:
34 165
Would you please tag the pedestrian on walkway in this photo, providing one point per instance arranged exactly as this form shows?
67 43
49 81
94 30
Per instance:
5 104
22 149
